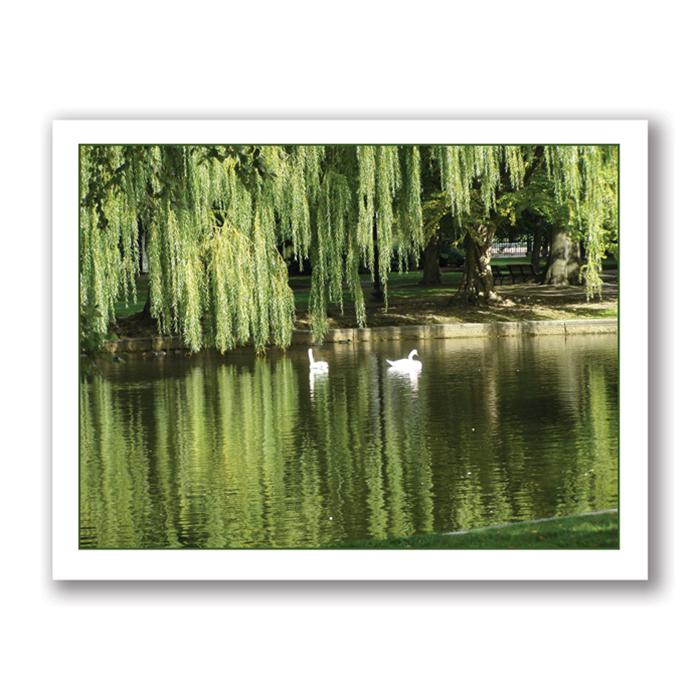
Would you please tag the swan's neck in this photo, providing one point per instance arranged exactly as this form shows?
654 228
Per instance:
311 356
412 353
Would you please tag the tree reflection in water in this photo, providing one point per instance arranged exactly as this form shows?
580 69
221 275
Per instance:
256 452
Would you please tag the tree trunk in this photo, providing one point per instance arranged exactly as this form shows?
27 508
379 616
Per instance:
143 265
431 262
378 292
146 311
536 249
477 282
143 252
564 261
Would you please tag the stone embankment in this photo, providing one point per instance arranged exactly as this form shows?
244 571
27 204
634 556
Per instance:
425 332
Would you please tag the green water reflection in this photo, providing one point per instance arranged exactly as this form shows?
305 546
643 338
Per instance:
248 452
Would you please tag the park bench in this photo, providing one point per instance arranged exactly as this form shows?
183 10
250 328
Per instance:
500 274
524 272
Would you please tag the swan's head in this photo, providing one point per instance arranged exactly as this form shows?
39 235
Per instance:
412 353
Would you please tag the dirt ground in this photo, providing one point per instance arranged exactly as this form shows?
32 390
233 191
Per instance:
410 304
518 302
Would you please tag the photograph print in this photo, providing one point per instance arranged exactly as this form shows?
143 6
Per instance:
348 346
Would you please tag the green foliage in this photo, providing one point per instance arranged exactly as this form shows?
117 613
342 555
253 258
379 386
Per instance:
90 336
585 183
215 221
215 274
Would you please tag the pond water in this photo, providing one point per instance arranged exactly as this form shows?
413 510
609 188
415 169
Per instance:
239 451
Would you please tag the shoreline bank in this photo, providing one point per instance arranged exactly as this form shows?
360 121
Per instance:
441 331
597 530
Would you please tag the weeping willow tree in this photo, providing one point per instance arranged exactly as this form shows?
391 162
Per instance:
207 217
573 189
472 177
218 225
585 183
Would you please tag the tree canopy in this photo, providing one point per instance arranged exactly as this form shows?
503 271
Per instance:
219 223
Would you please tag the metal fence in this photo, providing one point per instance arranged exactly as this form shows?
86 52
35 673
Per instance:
510 249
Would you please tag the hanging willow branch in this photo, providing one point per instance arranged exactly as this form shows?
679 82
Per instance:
585 183
216 221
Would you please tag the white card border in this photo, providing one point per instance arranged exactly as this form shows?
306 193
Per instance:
630 562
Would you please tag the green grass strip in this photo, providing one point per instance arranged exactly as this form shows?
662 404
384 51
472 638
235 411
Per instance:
586 531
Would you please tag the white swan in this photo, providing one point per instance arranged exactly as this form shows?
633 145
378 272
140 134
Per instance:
407 364
320 366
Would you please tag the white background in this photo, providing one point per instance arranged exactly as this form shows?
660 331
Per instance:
629 562
536 59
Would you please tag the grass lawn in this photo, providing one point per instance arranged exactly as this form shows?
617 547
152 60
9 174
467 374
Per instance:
129 307
588 531
403 285
411 303
406 285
